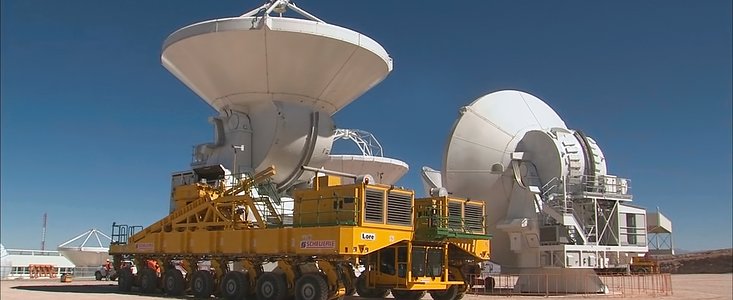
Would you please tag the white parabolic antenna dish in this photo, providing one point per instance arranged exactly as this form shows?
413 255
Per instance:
88 249
384 170
486 134
479 152
244 60
276 82
551 206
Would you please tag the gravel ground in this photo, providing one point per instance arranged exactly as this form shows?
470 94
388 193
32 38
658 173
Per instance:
688 286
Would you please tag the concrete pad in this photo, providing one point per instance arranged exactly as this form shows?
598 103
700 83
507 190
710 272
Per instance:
688 286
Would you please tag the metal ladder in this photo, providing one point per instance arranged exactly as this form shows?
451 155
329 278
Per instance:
268 201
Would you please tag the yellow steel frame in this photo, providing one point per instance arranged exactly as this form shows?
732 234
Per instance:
209 223
376 278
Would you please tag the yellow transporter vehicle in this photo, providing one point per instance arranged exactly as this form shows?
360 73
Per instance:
222 232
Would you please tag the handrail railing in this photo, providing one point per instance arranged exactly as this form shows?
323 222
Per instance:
434 218
121 233
603 184
335 214
546 188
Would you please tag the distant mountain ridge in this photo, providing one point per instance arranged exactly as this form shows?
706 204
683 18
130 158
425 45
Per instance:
682 251
697 262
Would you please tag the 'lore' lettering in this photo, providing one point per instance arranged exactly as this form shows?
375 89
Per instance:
368 236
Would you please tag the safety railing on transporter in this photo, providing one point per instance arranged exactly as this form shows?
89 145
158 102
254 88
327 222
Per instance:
122 232
331 212
443 217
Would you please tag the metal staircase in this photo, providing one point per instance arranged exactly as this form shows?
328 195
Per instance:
267 201
554 203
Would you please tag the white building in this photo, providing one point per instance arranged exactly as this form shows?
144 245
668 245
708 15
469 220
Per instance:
19 261
80 256
5 263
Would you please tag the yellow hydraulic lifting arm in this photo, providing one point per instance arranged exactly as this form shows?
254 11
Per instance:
216 209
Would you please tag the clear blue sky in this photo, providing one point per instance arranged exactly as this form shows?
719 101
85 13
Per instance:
93 125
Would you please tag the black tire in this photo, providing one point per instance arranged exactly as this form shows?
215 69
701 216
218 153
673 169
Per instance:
272 286
148 281
173 282
452 293
366 292
489 283
202 284
98 276
408 295
348 278
361 286
350 289
311 286
124 282
234 286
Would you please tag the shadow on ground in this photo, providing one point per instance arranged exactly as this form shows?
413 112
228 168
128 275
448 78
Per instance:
86 289
98 289
89 289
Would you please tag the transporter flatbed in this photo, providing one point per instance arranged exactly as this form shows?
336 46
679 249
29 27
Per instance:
223 230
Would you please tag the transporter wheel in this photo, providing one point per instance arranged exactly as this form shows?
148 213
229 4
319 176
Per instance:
98 276
364 291
489 283
234 286
148 281
272 286
350 289
408 295
311 286
452 293
348 278
124 283
173 282
202 284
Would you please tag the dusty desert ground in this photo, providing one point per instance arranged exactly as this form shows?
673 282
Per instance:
685 286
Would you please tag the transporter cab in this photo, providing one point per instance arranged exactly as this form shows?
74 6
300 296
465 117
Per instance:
225 237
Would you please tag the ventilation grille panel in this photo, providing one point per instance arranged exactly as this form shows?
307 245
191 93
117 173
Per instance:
374 205
454 215
399 208
473 216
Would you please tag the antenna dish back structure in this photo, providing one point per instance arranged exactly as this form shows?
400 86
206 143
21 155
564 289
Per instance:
486 134
551 206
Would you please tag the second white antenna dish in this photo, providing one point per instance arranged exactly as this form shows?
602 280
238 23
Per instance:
486 133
